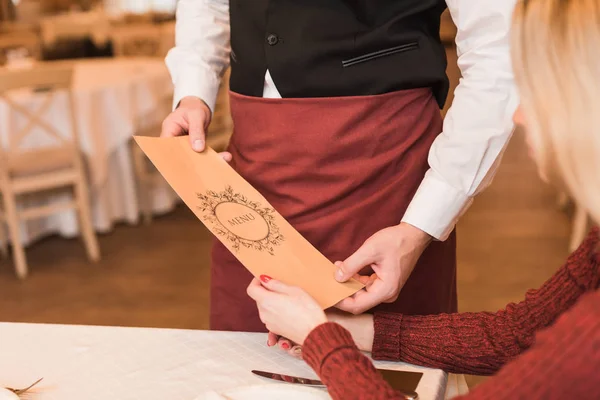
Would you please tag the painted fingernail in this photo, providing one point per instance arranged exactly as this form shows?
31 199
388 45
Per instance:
265 278
298 351
198 145
285 346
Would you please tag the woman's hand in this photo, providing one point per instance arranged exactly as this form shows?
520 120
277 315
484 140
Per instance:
286 310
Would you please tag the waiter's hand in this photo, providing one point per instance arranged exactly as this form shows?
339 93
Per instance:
191 117
392 254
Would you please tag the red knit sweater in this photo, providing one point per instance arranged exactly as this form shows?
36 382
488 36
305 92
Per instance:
545 347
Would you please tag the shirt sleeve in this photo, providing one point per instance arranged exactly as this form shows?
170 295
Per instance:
464 157
202 48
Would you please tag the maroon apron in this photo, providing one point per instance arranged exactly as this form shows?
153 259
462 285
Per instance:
339 170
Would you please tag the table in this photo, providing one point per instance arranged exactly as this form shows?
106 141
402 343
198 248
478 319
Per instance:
113 98
91 362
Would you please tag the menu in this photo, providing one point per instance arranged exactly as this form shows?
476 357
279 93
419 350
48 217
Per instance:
242 219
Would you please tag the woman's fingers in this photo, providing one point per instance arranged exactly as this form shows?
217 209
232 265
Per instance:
272 339
284 343
290 347
296 351
225 155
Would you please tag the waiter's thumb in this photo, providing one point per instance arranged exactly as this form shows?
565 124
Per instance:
352 265
196 122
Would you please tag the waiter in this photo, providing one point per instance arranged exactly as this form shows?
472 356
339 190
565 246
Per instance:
336 107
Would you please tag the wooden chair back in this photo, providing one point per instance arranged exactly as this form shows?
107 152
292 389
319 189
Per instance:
20 39
47 81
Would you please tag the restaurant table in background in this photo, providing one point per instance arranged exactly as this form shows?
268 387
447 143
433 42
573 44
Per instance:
94 25
113 98
92 362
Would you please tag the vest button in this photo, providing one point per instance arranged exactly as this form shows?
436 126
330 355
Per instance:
272 39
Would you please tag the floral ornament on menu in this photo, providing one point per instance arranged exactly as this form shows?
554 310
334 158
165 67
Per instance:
240 221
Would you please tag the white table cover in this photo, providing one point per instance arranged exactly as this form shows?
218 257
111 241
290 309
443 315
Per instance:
113 97
90 362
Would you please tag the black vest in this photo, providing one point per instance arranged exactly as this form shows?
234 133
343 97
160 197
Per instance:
322 48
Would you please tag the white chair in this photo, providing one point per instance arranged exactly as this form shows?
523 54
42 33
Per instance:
37 170
147 176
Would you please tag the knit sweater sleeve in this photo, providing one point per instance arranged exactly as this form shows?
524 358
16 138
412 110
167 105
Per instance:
331 352
480 343
563 363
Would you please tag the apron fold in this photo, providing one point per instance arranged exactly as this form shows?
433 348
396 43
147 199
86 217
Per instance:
338 169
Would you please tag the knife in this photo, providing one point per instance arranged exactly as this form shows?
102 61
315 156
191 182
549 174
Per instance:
313 382
288 378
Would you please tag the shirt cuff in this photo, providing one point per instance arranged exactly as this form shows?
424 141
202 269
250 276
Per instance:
436 207
190 80
323 341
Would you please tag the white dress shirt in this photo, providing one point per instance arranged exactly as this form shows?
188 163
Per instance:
477 127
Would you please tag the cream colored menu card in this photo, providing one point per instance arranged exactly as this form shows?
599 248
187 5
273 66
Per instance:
240 217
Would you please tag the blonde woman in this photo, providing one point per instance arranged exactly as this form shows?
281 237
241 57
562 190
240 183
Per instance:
547 346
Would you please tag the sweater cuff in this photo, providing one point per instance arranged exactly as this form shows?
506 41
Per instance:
386 342
323 341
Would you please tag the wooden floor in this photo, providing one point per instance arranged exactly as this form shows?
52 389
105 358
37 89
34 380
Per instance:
512 239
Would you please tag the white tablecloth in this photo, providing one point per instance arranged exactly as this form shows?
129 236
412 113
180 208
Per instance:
85 362
113 96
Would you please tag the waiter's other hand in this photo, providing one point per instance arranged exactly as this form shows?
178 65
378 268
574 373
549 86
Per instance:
191 117
286 310
392 254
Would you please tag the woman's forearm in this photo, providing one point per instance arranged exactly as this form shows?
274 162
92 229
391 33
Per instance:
563 362
361 327
480 343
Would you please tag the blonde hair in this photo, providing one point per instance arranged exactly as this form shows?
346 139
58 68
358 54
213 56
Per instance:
556 59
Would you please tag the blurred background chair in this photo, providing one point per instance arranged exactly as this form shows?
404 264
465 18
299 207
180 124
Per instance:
26 40
137 40
167 32
447 28
32 166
